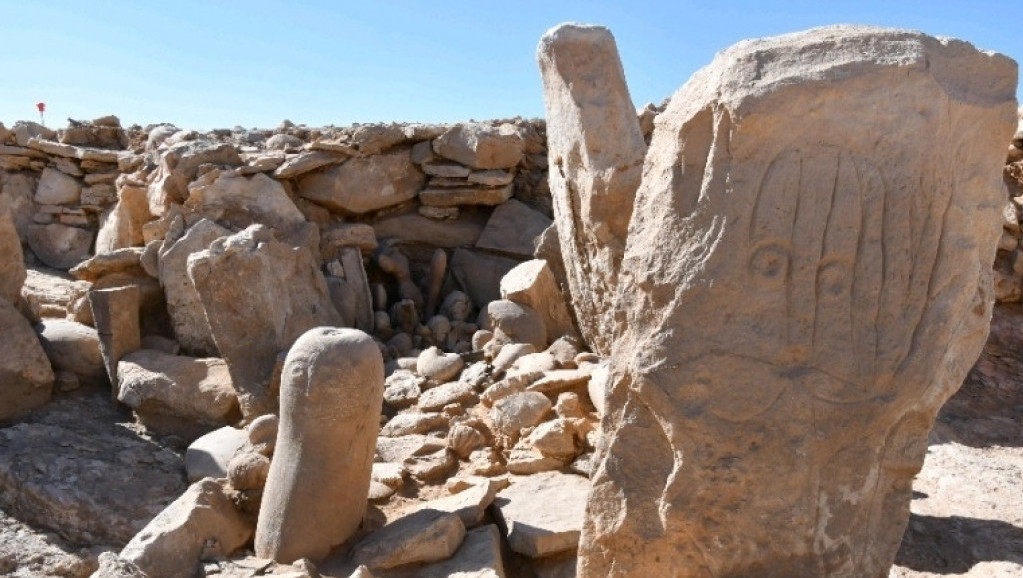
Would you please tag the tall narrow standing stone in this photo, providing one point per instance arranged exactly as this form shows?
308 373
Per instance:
807 279
596 149
116 313
318 486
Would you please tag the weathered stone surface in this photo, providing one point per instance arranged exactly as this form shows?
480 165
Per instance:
422 536
16 193
306 162
470 504
127 260
12 261
174 394
595 149
350 293
201 524
315 496
56 188
280 290
413 423
512 321
26 378
121 226
415 228
439 366
72 469
480 274
806 281
479 556
513 229
364 184
542 514
179 165
241 201
481 146
115 313
442 395
110 566
454 197
184 306
402 389
532 284
59 246
519 410
209 455
73 347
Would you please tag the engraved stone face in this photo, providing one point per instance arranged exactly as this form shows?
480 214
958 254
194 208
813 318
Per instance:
806 279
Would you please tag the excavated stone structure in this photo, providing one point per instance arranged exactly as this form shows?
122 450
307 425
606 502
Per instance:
807 278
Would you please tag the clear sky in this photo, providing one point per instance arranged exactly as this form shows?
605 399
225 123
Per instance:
213 63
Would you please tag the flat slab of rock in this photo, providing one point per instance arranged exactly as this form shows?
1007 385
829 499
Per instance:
423 536
364 184
73 469
479 556
513 228
542 514
465 196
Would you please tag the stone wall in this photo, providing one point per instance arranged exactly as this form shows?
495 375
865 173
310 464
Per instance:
476 190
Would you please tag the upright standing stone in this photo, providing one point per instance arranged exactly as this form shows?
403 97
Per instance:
807 279
317 489
116 313
259 295
596 149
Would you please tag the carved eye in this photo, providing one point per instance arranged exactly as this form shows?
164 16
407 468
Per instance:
832 280
770 262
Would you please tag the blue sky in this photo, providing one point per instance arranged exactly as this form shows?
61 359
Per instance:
209 64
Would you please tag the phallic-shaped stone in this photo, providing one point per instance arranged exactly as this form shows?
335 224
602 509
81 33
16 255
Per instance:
595 150
331 395
806 280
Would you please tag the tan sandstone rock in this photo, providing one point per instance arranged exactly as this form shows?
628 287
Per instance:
200 525
12 263
259 296
331 395
26 378
806 280
364 184
595 150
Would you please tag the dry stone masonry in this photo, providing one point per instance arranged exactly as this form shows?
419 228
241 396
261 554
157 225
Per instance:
712 346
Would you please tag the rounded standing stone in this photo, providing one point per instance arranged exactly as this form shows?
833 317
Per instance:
316 491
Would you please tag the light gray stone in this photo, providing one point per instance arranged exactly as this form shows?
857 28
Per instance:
208 456
422 536
542 514
513 229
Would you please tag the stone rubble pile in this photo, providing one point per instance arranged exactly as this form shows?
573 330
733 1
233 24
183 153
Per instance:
394 350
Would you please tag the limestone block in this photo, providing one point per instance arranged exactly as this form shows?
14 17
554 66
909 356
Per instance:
807 278
518 323
364 184
331 395
463 231
26 378
115 313
595 149
479 556
519 410
481 146
184 305
174 394
439 366
73 347
57 188
542 514
241 201
454 197
178 166
59 246
259 296
422 536
209 455
12 261
533 284
202 524
513 229
305 162
122 225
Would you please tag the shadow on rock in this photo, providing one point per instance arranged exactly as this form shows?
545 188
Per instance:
954 544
